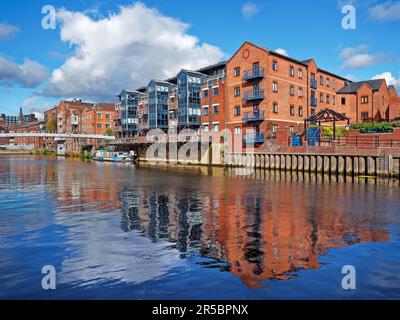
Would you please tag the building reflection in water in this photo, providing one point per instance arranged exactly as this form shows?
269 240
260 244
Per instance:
261 231
257 228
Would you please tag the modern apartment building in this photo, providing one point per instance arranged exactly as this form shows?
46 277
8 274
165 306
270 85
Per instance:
158 95
129 103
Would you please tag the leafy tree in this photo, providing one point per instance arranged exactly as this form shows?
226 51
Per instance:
51 125
109 132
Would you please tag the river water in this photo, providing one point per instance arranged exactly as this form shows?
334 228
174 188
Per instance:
126 232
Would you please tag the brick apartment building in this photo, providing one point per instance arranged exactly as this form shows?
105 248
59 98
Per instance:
256 94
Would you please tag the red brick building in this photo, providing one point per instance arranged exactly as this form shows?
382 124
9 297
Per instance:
367 101
267 92
30 127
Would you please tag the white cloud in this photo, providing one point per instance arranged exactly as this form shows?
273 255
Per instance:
388 11
390 79
250 9
357 57
7 31
124 50
37 105
282 51
29 74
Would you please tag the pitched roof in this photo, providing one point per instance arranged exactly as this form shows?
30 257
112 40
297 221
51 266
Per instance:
106 106
354 86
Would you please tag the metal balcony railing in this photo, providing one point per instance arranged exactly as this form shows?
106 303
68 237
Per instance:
314 84
254 138
253 74
254 95
313 102
254 116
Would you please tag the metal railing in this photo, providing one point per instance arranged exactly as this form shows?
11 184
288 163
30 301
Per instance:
368 142
254 95
314 84
313 102
254 116
253 74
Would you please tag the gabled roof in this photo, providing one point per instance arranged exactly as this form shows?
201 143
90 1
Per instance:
327 115
302 62
355 86
104 106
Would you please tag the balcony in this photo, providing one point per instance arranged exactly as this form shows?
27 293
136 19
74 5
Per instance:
314 84
254 95
313 102
253 116
254 138
254 74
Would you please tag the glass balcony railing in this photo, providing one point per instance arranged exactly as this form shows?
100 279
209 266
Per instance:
253 74
314 84
254 95
254 116
254 138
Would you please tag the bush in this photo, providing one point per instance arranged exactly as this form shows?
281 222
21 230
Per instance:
44 152
375 127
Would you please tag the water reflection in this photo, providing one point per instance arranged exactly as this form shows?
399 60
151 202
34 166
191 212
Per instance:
259 227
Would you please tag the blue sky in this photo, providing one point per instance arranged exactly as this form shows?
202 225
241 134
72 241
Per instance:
92 55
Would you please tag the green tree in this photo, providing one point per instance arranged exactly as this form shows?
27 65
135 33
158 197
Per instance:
51 125
109 132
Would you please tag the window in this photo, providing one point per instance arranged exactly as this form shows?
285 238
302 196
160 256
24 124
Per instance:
364 99
300 92
275 65
237 72
238 130
99 126
321 97
300 111
328 83
275 86
291 71
108 126
215 91
328 99
321 80
108 116
99 116
292 110
205 111
291 129
291 90
364 116
206 129
275 107
300 73
274 128
216 127
205 94
237 111
215 108
236 91
343 101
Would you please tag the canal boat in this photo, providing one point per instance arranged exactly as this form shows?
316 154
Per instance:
115 156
